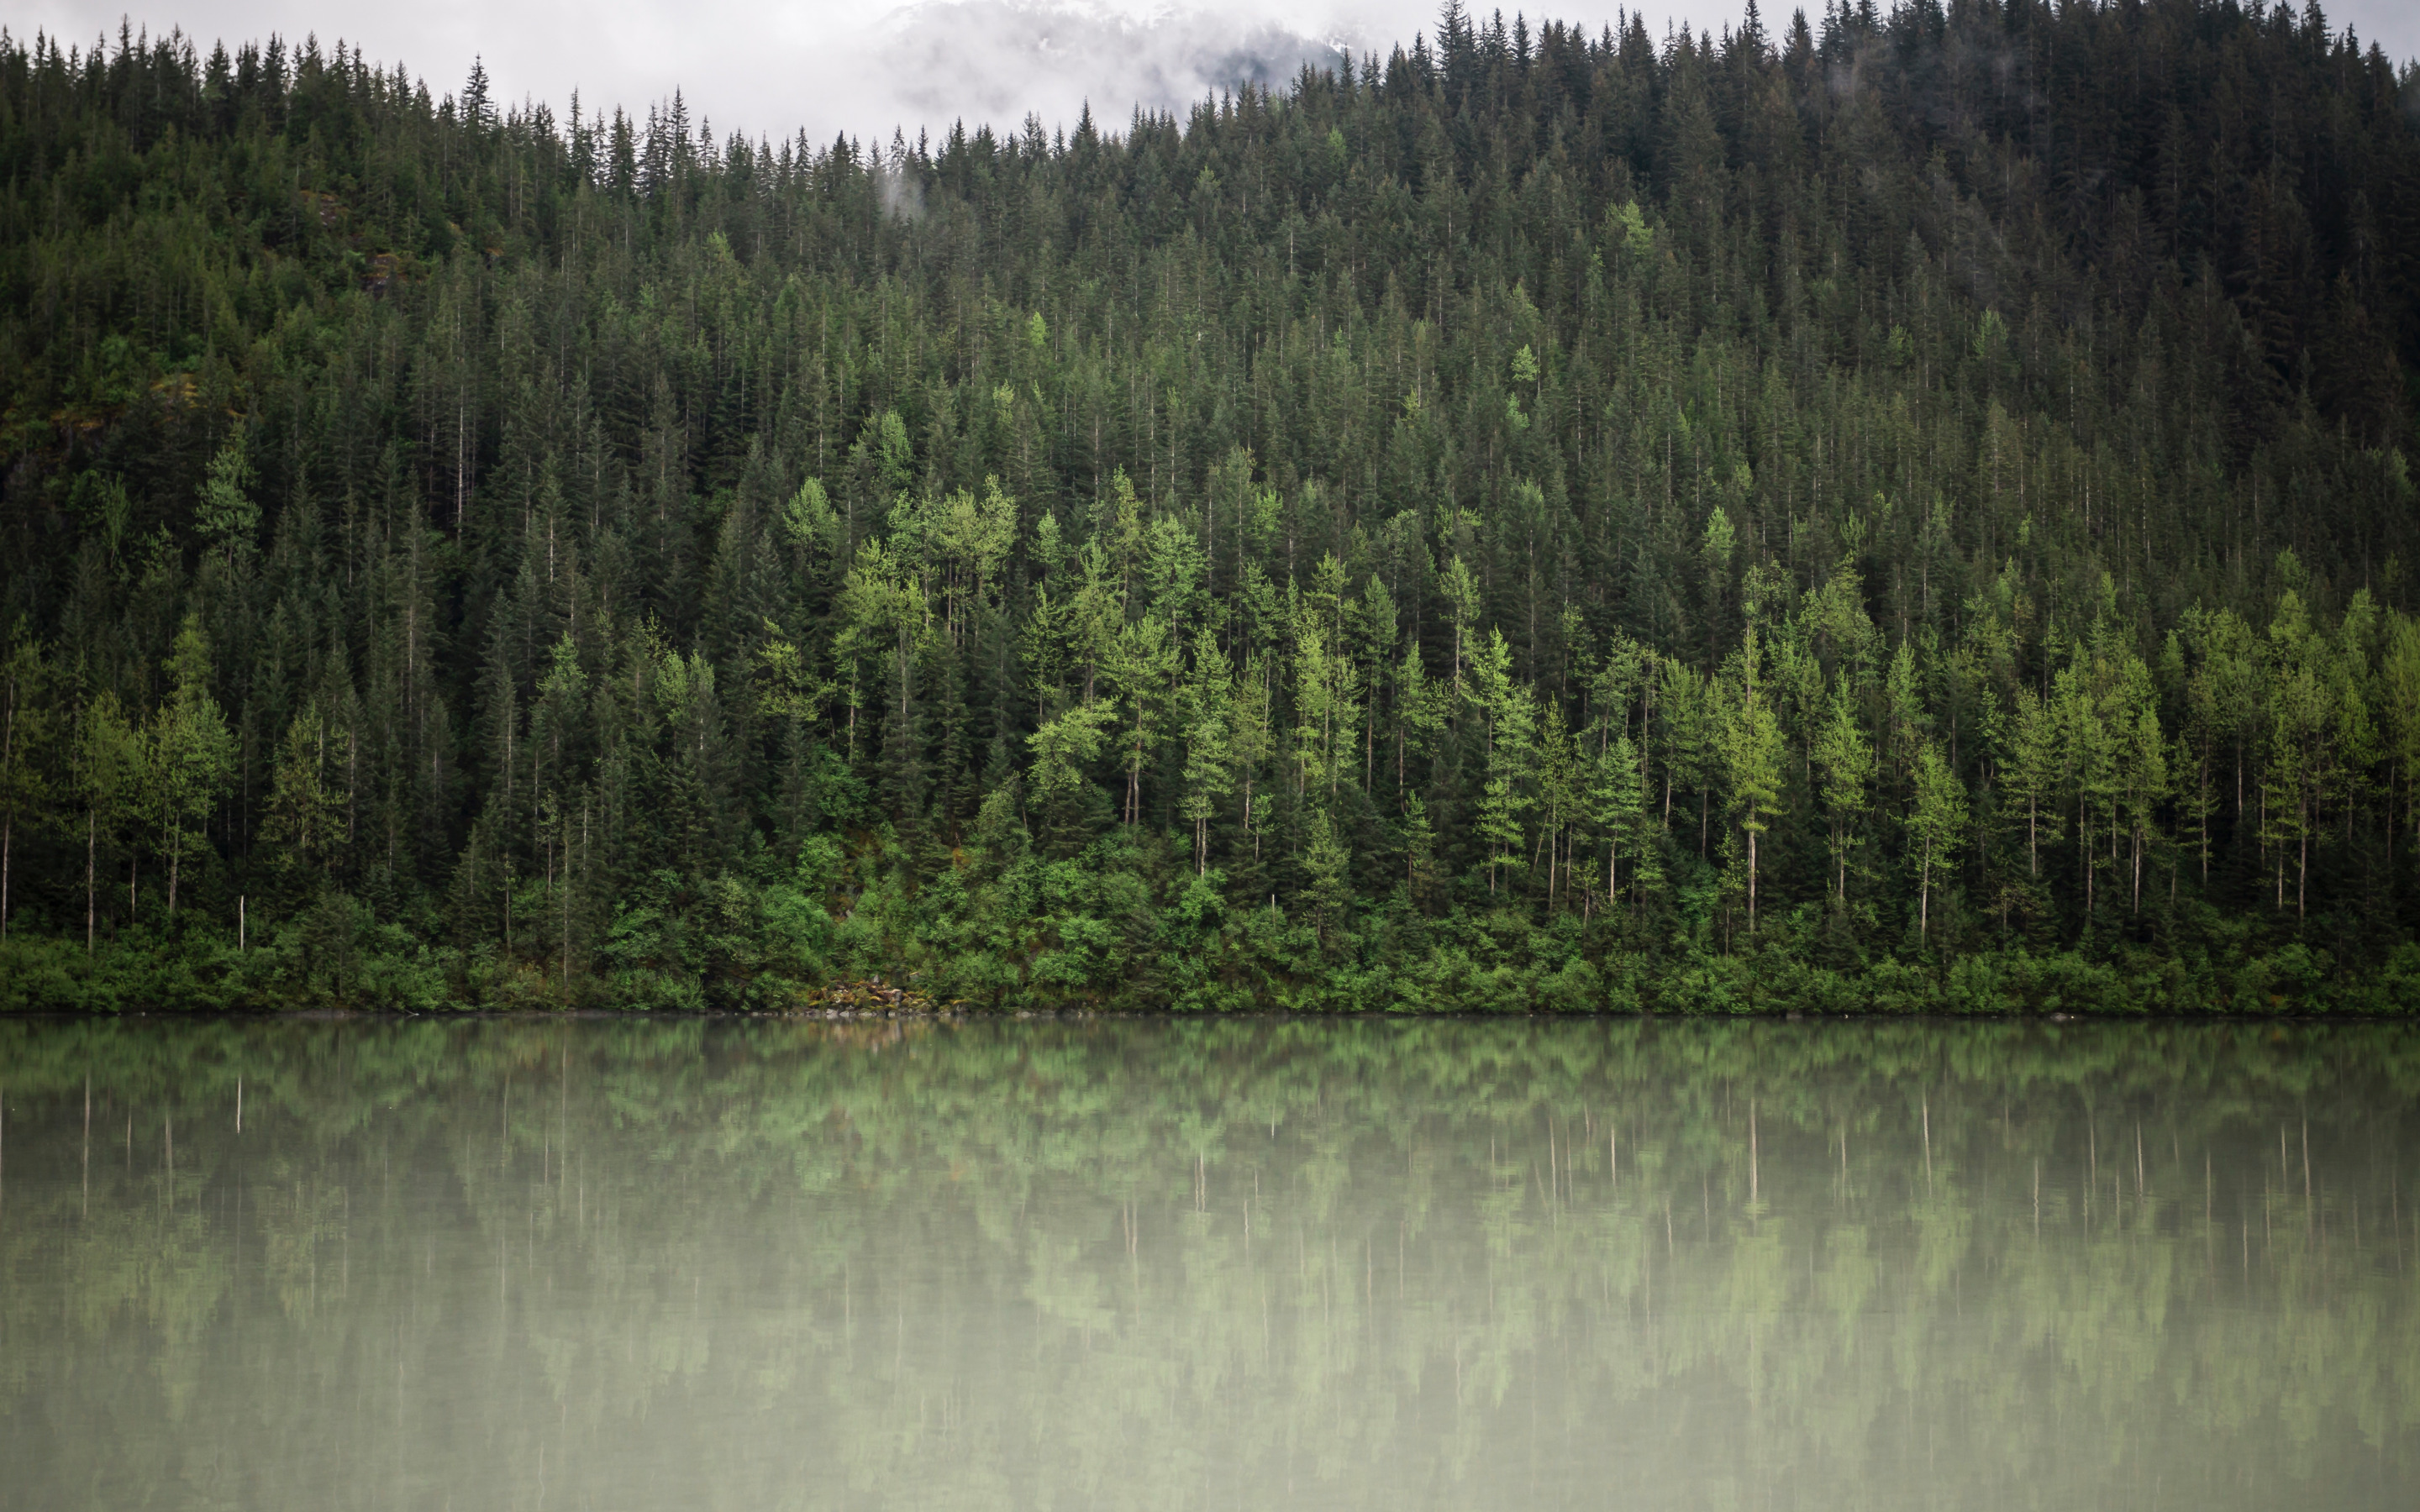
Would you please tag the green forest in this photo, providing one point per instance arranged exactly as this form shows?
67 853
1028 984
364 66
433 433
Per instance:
1893 512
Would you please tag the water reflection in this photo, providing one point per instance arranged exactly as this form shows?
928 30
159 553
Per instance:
640 1264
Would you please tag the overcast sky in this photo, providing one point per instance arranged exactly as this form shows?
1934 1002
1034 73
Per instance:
769 66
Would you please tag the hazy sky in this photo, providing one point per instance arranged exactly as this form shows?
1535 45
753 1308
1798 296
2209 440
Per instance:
771 66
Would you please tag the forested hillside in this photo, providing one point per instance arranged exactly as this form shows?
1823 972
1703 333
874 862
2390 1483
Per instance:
1886 512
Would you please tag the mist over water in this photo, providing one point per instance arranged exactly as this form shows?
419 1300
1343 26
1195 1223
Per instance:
1247 1263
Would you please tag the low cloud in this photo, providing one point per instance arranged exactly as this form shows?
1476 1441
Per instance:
770 68
996 60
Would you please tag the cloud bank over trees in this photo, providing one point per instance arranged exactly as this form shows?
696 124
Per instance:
825 66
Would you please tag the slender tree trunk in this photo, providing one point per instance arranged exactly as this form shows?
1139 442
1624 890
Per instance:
90 825
1751 882
2084 848
2302 861
2204 799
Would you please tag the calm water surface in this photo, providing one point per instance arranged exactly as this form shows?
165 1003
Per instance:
547 1264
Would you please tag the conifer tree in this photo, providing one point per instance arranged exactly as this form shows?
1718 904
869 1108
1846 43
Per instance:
27 731
1936 825
1846 760
109 772
191 755
1753 754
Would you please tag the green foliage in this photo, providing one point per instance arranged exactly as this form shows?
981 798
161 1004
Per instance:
223 514
1594 523
29 732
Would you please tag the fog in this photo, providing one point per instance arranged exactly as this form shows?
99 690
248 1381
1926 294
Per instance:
771 69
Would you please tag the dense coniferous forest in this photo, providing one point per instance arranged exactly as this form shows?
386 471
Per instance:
1890 511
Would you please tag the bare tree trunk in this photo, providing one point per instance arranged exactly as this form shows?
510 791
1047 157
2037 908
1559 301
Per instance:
2302 866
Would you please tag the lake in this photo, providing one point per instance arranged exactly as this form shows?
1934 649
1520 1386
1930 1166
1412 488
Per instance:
635 1263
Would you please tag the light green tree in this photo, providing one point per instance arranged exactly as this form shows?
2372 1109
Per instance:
2088 755
2398 687
883 610
1508 710
2141 768
1715 548
1685 723
1936 825
1327 864
808 521
2320 735
191 752
2227 692
304 821
1251 735
1063 747
1143 667
1625 812
109 773
1461 592
1420 710
2033 775
1753 753
1327 706
1845 759
1562 776
1376 652
1904 724
1420 850
970 538
1209 754
224 514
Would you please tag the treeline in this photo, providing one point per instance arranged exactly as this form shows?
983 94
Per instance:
1907 512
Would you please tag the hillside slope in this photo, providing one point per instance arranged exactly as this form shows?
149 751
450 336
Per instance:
1906 512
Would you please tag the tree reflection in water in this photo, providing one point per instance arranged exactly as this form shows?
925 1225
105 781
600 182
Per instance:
640 1263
